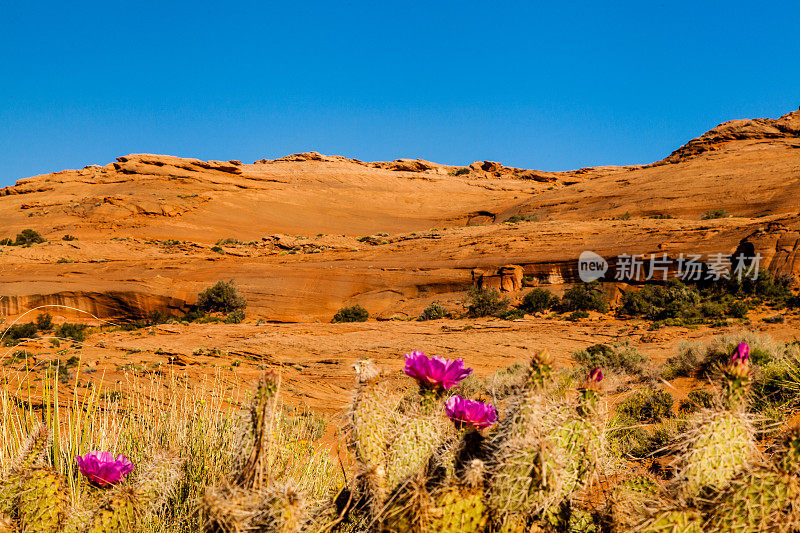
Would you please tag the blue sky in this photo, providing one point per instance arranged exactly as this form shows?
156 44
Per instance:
550 85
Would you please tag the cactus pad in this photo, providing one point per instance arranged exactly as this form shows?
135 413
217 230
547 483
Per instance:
41 500
716 446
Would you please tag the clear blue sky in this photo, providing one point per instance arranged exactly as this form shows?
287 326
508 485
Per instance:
550 85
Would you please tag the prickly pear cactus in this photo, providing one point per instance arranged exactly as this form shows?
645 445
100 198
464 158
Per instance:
526 404
458 511
627 500
41 500
674 521
532 475
581 521
760 501
411 443
716 446
118 513
228 509
283 510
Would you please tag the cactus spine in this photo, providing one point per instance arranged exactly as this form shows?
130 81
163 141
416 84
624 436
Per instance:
41 500
118 513
544 452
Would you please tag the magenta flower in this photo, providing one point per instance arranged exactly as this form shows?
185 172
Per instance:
437 372
741 353
470 413
596 375
102 469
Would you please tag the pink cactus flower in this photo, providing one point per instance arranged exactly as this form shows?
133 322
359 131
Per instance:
741 353
596 375
437 372
102 469
470 413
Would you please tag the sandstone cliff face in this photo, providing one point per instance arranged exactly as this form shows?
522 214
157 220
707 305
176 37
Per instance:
308 233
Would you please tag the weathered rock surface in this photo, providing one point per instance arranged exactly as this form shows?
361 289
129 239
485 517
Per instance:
308 233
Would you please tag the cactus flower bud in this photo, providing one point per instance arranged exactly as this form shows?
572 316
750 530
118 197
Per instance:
741 353
596 375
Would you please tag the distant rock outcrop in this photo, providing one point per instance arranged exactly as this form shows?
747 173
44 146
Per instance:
787 126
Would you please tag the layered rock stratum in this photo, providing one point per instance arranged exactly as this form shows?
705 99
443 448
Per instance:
306 234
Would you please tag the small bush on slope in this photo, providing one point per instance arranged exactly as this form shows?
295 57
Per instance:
619 357
584 297
355 313
538 300
485 302
434 311
222 297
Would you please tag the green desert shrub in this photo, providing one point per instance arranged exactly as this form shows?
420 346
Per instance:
434 311
715 213
538 300
696 400
577 315
68 330
44 322
617 357
235 317
511 314
28 237
69 237
660 302
485 302
584 297
222 297
354 313
766 286
647 405
712 310
738 309
17 332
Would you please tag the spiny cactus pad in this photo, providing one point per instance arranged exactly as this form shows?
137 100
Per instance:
627 500
118 514
760 501
674 521
716 446
41 500
458 511
535 473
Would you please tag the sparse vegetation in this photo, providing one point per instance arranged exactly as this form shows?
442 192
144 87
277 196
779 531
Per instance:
26 237
584 297
222 297
354 313
435 311
44 322
69 237
714 214
538 300
515 219
67 330
485 302
621 357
